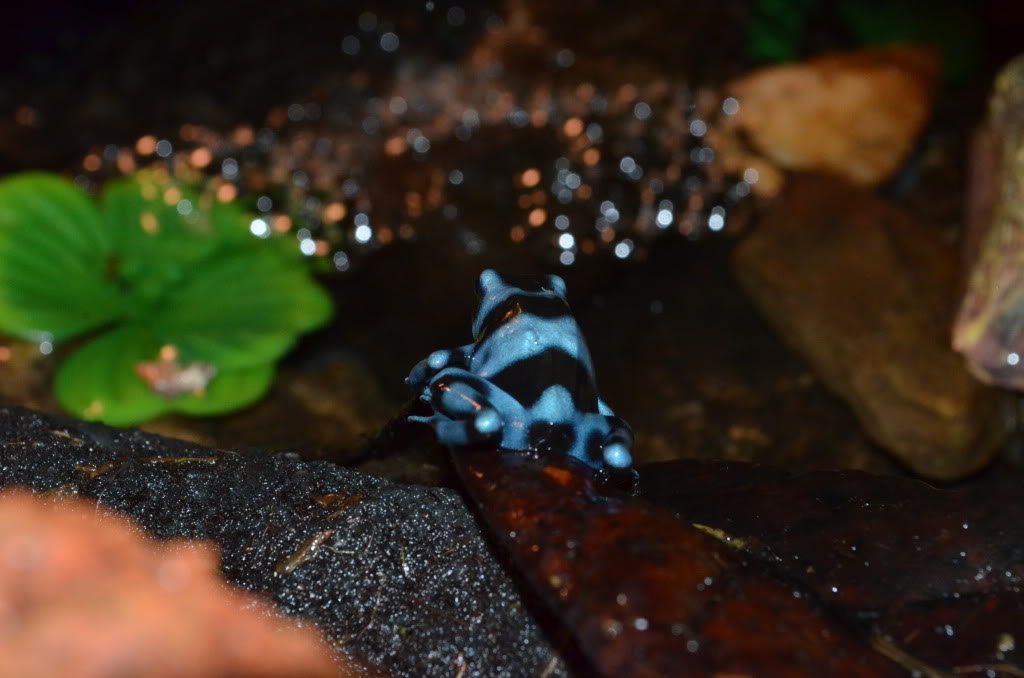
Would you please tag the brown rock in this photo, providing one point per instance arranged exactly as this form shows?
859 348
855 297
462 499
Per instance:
83 594
853 114
865 293
989 328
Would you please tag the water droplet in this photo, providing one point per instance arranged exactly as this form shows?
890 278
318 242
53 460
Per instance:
259 228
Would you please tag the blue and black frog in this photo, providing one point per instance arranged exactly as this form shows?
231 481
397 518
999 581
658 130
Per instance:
526 382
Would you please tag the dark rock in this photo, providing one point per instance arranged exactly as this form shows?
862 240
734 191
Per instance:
396 576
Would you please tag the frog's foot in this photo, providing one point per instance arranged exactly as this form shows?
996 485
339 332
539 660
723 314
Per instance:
421 375
463 413
484 427
615 450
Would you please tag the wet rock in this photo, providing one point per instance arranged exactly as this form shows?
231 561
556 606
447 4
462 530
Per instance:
86 596
865 293
855 114
397 577
988 329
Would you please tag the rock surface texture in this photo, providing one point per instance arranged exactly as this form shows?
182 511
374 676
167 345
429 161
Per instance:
397 577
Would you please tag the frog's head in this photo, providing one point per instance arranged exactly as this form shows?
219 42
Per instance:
502 298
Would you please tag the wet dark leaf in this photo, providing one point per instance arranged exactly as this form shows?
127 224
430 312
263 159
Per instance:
647 595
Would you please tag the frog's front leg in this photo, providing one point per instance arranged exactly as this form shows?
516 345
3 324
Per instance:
467 408
420 375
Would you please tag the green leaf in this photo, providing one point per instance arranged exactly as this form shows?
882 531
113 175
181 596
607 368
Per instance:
160 231
99 381
775 29
231 224
174 270
242 308
54 258
229 391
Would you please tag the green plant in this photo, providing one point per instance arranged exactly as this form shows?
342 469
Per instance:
183 307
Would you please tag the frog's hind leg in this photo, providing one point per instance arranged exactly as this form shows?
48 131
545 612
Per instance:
467 408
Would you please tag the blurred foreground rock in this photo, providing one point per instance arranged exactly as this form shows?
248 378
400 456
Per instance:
989 329
866 294
853 114
84 595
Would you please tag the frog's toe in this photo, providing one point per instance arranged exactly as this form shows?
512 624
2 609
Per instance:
487 421
423 420
617 455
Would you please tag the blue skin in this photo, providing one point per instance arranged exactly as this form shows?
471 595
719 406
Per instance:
525 383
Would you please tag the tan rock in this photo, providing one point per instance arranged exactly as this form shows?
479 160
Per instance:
866 294
854 114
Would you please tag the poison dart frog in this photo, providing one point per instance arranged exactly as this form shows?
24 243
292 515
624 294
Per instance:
526 382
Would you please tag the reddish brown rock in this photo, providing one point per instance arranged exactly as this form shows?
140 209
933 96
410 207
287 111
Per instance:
865 293
83 594
855 114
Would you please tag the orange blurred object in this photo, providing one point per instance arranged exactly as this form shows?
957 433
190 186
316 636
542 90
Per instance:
530 178
83 594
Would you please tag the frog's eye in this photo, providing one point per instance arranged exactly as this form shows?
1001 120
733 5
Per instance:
556 284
